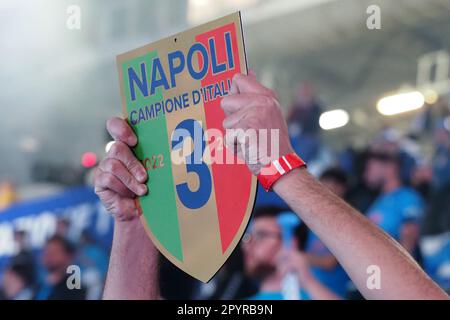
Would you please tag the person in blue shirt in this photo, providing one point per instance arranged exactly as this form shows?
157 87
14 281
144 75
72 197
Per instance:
57 256
267 263
399 209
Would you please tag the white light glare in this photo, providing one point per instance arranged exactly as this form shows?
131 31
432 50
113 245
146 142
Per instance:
400 103
333 119
108 146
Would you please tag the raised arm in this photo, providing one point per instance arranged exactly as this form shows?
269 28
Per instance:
354 240
119 178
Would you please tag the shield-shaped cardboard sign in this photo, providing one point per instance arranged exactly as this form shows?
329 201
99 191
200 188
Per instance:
200 195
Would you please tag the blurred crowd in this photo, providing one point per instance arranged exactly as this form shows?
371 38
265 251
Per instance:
65 269
400 181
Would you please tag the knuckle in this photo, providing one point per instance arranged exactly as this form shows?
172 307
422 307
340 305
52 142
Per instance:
133 164
128 180
111 125
98 190
111 165
275 103
271 93
224 103
265 100
225 123
109 179
117 149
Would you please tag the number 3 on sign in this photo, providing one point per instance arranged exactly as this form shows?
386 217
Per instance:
190 128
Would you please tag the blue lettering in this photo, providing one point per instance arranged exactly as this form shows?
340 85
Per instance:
157 70
157 108
229 50
174 70
149 114
133 122
217 92
141 115
198 75
196 96
141 83
185 100
215 67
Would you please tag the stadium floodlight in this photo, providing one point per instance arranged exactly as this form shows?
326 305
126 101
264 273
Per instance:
333 119
400 103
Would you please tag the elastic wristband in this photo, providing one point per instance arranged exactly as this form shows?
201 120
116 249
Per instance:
278 168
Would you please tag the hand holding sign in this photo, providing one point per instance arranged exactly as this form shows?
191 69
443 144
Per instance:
253 107
119 177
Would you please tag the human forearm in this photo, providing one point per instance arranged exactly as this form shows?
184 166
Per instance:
327 262
133 266
355 242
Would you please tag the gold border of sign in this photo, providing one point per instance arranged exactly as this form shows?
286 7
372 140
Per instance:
232 18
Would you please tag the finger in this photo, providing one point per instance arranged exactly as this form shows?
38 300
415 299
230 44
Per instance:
233 88
249 84
232 120
230 141
108 181
118 169
236 102
121 131
122 152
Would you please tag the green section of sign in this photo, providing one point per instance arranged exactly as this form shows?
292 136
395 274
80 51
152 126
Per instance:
159 206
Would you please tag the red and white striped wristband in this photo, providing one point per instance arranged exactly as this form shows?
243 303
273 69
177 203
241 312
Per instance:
278 168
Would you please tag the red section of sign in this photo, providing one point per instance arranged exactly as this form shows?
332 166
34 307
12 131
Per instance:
231 211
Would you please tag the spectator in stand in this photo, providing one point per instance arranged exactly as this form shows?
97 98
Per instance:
406 147
24 256
305 111
360 194
303 122
230 282
65 229
267 262
437 176
399 209
441 159
17 284
58 255
422 179
93 262
62 227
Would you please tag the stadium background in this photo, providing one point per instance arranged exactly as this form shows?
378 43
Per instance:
60 85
